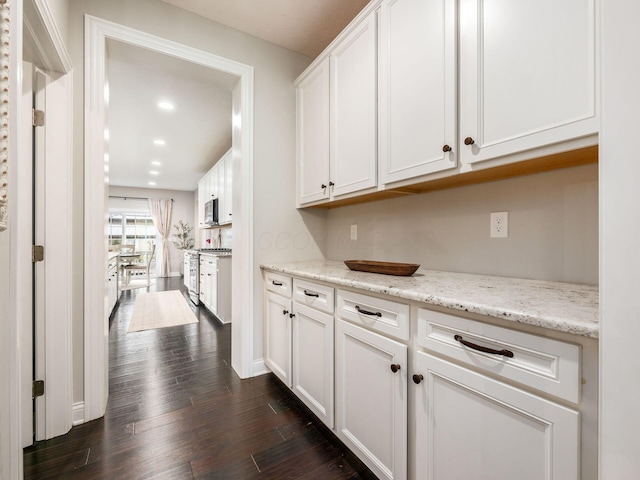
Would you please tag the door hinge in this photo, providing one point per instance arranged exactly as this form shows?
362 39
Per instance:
38 118
37 253
38 388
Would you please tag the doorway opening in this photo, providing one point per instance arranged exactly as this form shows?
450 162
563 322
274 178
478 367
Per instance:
97 33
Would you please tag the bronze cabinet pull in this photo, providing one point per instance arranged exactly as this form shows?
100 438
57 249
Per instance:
366 312
277 284
284 312
504 352
395 367
291 315
469 141
446 148
310 294
417 378
323 186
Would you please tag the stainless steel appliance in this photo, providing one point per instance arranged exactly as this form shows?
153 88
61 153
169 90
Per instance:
211 212
194 276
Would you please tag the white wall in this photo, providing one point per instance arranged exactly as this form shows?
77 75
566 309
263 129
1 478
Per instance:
5 358
274 134
182 210
60 12
553 228
619 238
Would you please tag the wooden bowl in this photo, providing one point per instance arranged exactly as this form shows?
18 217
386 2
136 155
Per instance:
386 268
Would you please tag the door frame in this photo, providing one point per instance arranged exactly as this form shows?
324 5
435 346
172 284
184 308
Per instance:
96 331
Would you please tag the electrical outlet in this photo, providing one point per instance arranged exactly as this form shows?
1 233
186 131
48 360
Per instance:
354 232
500 225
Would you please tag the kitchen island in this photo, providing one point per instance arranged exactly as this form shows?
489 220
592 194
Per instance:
415 373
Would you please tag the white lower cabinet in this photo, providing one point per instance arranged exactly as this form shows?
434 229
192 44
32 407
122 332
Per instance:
277 331
371 398
313 360
471 426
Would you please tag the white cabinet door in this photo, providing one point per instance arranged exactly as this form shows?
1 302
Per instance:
417 88
186 266
202 198
313 135
371 399
471 426
527 75
353 109
313 360
277 334
226 209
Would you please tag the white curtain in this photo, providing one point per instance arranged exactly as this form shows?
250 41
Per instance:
161 212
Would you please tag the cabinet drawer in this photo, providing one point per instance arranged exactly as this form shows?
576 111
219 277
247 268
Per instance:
313 295
384 316
277 283
549 365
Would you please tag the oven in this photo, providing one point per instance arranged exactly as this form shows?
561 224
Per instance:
194 277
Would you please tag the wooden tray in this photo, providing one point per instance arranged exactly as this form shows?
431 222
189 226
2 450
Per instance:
386 268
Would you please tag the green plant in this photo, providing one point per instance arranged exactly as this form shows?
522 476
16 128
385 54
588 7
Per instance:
182 239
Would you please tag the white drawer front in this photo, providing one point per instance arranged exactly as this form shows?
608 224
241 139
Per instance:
384 316
546 364
277 283
313 295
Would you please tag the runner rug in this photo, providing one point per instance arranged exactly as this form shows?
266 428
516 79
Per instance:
160 310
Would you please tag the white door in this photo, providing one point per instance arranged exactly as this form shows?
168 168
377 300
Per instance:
277 334
312 142
417 85
471 426
527 75
313 360
353 94
371 398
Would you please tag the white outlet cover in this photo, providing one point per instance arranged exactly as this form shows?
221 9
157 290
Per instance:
499 225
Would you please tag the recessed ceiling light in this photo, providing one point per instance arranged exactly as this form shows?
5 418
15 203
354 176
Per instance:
152 183
154 172
156 163
159 141
165 105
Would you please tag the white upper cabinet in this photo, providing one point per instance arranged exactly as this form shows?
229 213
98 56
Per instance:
527 75
313 135
353 111
226 210
417 88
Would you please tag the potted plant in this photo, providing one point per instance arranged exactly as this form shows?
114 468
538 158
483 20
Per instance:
182 239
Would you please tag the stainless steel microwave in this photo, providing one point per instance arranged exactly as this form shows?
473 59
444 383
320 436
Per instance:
211 212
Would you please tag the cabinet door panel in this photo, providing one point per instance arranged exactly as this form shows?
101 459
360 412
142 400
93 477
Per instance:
371 402
417 84
313 360
277 355
313 135
353 111
527 75
471 426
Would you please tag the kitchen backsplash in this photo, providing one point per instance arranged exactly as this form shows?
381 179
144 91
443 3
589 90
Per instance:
216 237
553 228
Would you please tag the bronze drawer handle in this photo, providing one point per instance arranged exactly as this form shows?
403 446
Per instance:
366 312
504 353
395 367
277 284
417 378
310 294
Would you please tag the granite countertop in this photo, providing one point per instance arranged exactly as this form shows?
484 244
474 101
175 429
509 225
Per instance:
566 307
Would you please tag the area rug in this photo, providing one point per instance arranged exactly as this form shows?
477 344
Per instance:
160 310
133 284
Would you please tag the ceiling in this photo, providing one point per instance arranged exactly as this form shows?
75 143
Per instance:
197 131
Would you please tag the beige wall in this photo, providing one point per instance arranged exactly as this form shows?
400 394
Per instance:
274 137
553 228
5 358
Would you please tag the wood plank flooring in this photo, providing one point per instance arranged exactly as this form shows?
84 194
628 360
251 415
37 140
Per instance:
177 410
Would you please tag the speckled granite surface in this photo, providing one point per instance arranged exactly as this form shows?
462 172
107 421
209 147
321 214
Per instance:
565 307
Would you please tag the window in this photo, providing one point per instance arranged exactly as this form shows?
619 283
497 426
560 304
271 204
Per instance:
132 229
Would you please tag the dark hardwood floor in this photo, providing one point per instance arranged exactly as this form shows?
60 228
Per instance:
177 410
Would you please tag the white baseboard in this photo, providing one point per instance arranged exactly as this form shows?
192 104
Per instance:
259 368
78 413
